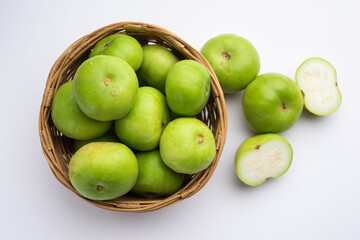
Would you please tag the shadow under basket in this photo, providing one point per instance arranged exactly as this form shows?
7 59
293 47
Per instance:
58 149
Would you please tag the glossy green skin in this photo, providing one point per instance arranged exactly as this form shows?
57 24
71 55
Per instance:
122 46
111 165
263 103
141 128
156 64
240 68
180 149
253 143
70 120
187 88
110 136
155 178
105 87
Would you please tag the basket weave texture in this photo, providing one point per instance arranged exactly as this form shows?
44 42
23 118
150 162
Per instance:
58 149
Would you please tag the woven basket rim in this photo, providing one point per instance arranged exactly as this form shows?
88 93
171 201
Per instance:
69 57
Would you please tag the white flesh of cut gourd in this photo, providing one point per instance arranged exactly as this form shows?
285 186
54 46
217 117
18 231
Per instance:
316 78
272 159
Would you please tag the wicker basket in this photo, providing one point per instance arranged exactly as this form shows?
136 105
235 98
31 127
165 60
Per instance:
58 149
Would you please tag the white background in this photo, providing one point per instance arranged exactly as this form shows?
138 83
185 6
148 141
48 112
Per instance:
318 198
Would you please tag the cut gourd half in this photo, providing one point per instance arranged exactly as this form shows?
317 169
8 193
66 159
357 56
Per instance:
317 80
261 157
